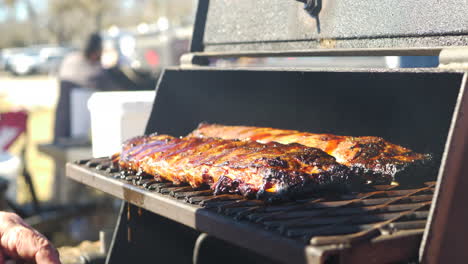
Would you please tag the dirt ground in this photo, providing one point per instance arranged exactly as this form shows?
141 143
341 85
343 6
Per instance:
37 95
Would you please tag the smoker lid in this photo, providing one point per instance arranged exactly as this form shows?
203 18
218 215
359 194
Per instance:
284 25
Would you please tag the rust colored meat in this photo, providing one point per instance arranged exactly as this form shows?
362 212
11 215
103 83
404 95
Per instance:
374 158
250 168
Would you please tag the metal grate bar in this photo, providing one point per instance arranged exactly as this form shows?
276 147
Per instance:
328 223
372 232
373 208
336 214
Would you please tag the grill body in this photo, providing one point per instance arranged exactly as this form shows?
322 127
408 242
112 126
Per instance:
414 108
420 109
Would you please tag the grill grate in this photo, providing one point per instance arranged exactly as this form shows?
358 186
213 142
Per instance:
335 219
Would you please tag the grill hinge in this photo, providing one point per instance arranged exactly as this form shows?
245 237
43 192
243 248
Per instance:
454 58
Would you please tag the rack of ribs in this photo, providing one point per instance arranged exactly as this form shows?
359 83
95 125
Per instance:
375 159
253 169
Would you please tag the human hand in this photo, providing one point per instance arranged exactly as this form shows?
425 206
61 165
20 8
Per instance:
20 241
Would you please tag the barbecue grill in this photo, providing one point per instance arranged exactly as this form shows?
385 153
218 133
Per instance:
422 109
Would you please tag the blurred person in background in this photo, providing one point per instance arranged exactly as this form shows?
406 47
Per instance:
21 242
82 70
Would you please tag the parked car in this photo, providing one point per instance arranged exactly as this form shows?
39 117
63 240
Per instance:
150 51
5 57
25 62
37 59
51 58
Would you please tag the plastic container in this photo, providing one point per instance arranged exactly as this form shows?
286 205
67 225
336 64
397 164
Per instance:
80 123
116 117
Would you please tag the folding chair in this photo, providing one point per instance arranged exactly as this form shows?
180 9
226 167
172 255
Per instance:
12 126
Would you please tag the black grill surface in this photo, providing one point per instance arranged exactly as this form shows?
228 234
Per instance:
384 211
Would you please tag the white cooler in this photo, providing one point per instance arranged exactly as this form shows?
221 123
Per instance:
116 117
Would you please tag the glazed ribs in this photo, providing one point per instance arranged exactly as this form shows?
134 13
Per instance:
249 168
267 162
373 158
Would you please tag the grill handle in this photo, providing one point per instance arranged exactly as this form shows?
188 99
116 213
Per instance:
312 7
346 239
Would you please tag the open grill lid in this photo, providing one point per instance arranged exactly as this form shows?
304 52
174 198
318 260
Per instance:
329 27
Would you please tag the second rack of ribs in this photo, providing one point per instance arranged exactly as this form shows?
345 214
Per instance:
374 158
232 166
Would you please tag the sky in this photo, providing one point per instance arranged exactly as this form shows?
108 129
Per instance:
40 5
21 12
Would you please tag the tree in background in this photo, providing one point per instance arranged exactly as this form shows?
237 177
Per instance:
62 20
10 6
31 13
69 21
97 10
